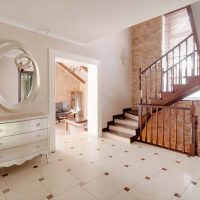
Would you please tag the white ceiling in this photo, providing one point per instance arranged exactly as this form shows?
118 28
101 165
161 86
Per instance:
81 21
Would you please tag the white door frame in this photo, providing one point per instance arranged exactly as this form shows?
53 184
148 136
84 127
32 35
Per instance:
95 64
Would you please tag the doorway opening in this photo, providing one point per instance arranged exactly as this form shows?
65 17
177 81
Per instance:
81 104
71 97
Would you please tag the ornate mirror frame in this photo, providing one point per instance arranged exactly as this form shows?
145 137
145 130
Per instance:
5 47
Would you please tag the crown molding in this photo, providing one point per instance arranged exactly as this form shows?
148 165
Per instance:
45 32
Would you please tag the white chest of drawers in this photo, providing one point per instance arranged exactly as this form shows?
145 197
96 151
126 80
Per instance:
22 137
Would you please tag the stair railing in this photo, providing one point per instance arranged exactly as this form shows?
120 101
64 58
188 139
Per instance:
172 68
170 127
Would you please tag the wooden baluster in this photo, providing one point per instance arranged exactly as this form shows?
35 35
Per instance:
161 82
173 69
193 57
150 86
176 135
146 123
186 67
179 49
140 85
156 92
151 124
157 125
146 87
169 129
183 131
172 79
198 66
140 120
163 128
193 136
167 81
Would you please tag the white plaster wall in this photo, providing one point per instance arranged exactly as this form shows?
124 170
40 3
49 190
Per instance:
116 78
196 14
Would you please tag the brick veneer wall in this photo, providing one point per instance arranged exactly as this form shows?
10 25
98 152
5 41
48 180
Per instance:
147 47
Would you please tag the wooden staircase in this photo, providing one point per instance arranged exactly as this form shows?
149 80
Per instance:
172 77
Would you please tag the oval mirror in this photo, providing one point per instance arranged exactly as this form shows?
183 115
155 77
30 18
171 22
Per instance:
19 76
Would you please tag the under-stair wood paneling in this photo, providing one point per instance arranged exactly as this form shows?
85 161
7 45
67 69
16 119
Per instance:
187 104
169 127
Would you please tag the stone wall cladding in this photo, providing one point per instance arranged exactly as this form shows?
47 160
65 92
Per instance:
65 83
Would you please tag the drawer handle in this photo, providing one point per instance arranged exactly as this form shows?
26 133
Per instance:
38 124
37 146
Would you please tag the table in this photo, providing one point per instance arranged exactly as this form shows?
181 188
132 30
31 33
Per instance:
81 123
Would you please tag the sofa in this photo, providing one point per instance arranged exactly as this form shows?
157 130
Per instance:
62 110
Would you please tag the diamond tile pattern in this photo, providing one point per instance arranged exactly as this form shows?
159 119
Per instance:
88 168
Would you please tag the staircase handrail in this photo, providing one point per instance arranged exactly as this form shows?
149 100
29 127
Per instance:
164 55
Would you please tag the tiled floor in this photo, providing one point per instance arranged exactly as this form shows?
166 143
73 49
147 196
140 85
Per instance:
87 168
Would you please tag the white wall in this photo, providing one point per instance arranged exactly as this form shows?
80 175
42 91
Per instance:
196 14
116 78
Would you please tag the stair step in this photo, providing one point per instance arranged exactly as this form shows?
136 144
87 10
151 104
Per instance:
130 116
122 129
127 122
133 112
119 136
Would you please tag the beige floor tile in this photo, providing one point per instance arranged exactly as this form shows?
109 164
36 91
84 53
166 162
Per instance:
149 190
167 180
191 193
73 163
186 172
87 173
51 168
59 183
123 195
128 177
103 187
19 180
147 167
76 193
108 164
34 191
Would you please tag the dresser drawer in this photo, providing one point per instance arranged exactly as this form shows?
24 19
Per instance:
20 127
22 139
23 151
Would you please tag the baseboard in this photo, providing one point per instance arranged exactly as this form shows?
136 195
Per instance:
105 129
